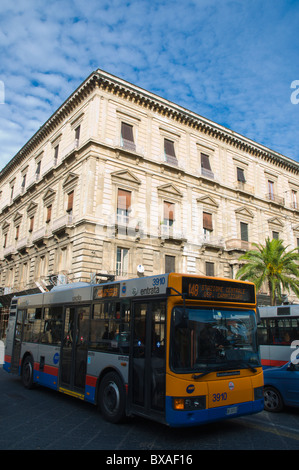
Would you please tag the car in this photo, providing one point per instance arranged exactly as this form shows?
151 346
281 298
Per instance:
281 387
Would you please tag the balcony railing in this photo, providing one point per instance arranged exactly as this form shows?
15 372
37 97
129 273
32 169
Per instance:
237 244
276 199
246 188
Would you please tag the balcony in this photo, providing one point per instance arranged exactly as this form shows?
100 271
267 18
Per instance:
214 242
235 244
274 198
244 187
9 251
169 232
62 223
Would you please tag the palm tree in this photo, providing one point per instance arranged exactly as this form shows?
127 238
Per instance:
274 264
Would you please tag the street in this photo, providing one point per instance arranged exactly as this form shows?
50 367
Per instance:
47 420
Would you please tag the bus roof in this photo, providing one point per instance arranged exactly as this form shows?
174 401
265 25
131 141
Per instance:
279 311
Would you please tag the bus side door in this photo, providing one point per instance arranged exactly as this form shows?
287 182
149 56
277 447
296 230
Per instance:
17 341
74 348
147 371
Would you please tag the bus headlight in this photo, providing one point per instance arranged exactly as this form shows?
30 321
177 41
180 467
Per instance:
189 403
258 393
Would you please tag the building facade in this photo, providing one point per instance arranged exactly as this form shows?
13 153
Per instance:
123 182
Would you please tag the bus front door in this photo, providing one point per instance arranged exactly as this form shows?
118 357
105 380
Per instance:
147 372
74 349
17 342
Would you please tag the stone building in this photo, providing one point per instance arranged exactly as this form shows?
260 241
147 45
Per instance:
124 182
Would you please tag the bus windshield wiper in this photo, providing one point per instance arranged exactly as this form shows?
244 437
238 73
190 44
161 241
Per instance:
243 364
201 374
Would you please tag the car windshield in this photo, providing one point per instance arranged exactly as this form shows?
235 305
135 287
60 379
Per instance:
207 339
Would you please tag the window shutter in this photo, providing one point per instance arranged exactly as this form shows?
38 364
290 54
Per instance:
168 211
205 162
70 201
169 264
123 199
127 136
244 231
207 221
240 175
170 152
31 224
209 268
49 213
127 131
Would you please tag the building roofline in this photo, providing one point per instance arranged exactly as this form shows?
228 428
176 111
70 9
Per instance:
152 101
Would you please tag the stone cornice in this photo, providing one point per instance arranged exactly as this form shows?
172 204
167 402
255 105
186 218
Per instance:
155 103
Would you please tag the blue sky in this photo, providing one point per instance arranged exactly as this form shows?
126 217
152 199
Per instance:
231 61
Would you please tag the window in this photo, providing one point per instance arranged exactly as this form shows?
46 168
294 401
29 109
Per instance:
51 330
240 175
169 152
294 199
23 183
205 166
17 232
38 168
271 190
210 268
123 206
207 225
168 214
110 327
31 223
70 202
122 261
5 240
244 231
278 330
56 150
127 138
77 136
49 214
169 264
275 235
32 324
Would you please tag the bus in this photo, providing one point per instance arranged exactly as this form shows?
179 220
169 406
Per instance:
179 349
278 330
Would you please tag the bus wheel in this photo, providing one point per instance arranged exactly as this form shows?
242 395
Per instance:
27 372
272 399
111 398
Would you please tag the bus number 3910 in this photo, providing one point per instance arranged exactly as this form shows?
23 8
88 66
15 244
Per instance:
219 396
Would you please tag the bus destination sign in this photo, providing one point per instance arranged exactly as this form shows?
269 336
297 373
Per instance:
217 290
106 291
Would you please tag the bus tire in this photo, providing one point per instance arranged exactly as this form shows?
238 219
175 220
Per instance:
272 399
111 398
27 372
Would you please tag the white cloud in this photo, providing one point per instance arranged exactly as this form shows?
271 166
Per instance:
230 61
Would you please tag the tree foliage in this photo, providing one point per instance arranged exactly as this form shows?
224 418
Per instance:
271 263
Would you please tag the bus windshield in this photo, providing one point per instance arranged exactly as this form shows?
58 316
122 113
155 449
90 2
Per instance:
208 339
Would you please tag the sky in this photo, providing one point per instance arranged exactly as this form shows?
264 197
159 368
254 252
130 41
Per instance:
235 62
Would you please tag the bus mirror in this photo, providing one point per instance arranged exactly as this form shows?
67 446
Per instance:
181 318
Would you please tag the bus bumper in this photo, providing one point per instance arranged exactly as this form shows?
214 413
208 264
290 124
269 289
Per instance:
175 418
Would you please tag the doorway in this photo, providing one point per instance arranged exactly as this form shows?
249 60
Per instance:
74 348
147 372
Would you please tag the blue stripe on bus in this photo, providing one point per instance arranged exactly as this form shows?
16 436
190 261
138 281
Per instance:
192 418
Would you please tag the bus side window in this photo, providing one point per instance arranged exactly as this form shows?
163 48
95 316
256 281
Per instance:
32 325
110 327
52 325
